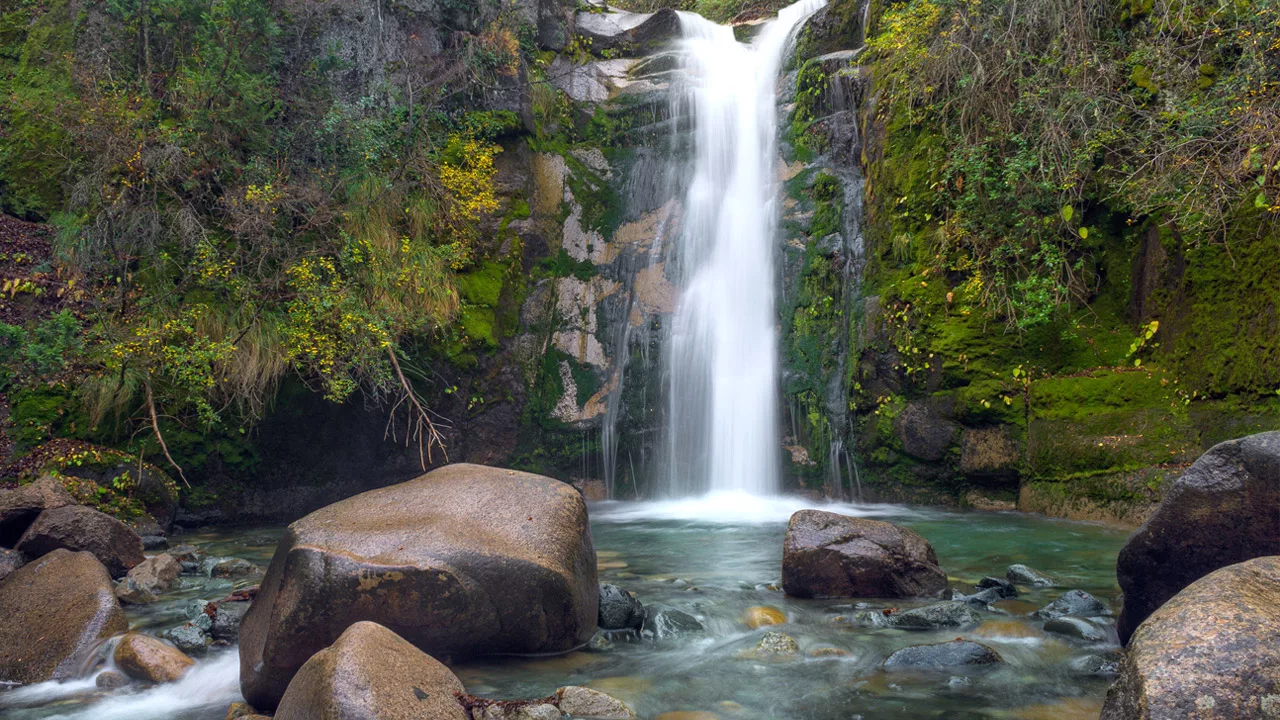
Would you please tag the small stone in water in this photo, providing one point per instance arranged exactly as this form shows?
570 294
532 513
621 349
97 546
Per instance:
239 710
619 610
959 681
1023 575
1078 628
668 623
1106 664
587 703
197 612
110 680
1000 585
940 655
189 639
828 652
763 615
234 568
1072 602
947 614
776 644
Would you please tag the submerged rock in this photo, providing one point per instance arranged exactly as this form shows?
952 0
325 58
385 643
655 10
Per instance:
529 711
20 506
154 542
10 560
827 555
1223 510
763 615
148 579
55 610
110 680
149 659
1023 575
1072 602
1078 628
948 614
669 623
619 610
942 655
1002 587
234 568
1098 664
75 527
519 577
372 673
1212 651
581 702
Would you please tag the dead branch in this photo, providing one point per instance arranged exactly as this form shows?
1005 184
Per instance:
155 426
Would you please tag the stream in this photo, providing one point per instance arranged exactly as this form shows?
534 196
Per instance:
714 557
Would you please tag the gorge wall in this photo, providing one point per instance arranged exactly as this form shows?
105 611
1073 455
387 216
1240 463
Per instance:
955 326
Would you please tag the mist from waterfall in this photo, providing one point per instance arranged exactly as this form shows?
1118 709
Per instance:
722 355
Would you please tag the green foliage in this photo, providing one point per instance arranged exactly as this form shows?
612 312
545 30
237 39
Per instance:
45 350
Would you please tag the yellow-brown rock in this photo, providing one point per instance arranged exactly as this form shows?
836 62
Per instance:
370 673
54 611
465 560
762 615
150 659
1212 652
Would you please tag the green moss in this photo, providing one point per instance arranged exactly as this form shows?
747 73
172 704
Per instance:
563 265
40 413
36 43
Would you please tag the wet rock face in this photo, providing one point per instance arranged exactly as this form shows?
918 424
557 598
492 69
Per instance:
924 433
55 610
372 673
829 555
942 655
75 527
519 577
1212 651
1224 510
631 33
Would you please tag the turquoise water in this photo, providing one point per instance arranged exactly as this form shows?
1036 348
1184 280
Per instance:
715 558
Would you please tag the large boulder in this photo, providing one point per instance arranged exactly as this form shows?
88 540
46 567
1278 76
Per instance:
924 432
1225 509
1213 651
75 527
371 673
20 506
466 560
55 610
827 555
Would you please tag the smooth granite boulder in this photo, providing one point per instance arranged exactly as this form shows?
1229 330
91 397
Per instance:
1213 651
53 612
465 560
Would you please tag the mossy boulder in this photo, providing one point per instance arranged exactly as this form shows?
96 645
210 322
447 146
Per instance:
465 560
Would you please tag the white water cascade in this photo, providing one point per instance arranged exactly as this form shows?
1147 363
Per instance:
722 354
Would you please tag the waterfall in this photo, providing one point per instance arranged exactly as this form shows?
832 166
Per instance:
722 354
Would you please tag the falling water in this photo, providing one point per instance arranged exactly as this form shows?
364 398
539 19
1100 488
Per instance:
723 349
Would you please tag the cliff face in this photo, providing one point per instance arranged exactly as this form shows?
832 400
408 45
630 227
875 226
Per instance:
1047 320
